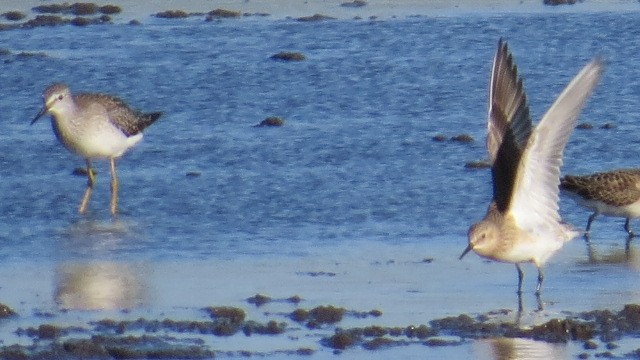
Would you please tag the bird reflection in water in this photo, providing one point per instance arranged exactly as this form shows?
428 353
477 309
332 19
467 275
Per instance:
628 255
86 280
100 285
518 349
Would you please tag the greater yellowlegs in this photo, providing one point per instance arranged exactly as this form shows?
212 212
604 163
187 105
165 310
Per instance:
613 193
94 125
522 223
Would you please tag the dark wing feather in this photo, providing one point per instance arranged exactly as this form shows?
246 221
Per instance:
508 126
508 96
505 167
128 120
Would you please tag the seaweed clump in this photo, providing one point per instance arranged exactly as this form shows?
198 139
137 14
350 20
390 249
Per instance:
45 20
84 21
78 9
480 164
172 14
14 15
559 2
354 4
222 14
271 121
288 56
315 17
462 138
83 12
557 331
270 328
6 311
259 300
227 320
318 316
376 337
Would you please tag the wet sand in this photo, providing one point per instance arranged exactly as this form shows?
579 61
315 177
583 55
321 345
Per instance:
365 300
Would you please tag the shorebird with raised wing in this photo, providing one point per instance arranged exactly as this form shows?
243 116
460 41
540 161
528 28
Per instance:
613 193
94 125
522 223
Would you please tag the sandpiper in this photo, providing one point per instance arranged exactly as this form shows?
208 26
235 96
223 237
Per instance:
94 125
522 223
612 193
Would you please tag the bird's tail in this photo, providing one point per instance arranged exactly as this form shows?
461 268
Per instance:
569 232
149 118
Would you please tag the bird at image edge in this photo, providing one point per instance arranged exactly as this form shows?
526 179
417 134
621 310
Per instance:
611 193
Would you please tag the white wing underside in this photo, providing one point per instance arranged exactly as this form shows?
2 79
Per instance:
534 203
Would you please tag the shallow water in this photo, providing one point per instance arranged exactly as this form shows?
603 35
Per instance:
341 206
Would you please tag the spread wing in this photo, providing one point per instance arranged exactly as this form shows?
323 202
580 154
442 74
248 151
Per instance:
508 125
508 108
535 197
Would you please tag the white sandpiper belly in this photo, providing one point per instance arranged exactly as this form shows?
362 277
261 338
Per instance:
631 210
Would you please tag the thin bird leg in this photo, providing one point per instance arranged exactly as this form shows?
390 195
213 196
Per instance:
114 187
540 303
626 227
540 278
91 180
591 218
520 309
520 277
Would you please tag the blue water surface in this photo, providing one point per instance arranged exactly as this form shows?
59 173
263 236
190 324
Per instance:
355 162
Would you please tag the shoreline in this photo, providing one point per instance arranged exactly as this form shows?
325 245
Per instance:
282 9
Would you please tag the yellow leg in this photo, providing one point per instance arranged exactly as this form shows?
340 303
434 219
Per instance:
91 180
114 187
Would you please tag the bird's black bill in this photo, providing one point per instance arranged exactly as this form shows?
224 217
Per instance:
469 248
42 112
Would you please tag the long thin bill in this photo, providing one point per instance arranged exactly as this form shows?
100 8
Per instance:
42 112
469 248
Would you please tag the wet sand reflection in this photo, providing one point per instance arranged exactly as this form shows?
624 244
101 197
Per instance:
100 285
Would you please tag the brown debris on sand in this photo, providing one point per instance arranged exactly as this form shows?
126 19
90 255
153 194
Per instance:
480 164
6 311
462 138
318 316
233 314
45 20
148 338
354 4
559 2
315 17
77 9
222 14
14 15
50 15
271 121
259 299
172 14
288 56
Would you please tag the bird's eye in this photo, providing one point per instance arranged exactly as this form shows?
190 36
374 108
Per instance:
60 97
